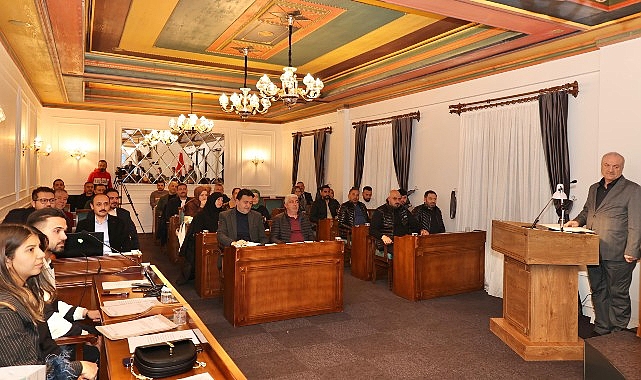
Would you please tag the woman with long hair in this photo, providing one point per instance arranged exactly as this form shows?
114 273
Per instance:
23 335
207 220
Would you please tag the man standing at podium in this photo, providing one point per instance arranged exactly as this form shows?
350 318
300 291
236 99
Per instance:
613 210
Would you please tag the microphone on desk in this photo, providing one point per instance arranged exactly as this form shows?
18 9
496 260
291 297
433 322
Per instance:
155 289
559 194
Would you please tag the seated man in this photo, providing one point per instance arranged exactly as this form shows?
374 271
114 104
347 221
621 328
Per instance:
124 215
78 201
429 215
41 197
155 195
62 319
352 213
115 230
241 222
98 188
324 206
389 220
61 202
291 226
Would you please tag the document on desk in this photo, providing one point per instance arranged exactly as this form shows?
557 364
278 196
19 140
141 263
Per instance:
145 340
142 326
110 285
577 230
200 376
118 308
26 372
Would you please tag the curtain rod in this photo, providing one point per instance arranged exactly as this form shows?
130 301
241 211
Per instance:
370 123
572 88
310 133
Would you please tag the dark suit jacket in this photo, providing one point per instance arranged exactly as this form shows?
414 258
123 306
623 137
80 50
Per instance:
227 232
125 216
617 220
281 229
18 215
118 233
319 209
308 198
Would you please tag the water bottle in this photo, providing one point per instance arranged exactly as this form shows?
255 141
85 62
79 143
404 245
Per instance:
165 295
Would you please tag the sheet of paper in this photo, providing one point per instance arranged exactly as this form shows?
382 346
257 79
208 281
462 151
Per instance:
118 308
555 227
137 341
200 336
142 326
200 376
24 372
110 285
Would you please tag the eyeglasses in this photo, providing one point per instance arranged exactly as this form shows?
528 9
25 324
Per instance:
44 201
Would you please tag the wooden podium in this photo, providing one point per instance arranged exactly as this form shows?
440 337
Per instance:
360 255
540 287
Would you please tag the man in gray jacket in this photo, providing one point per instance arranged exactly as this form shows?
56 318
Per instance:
241 222
613 210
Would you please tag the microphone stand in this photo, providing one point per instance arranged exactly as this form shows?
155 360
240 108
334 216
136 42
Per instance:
536 221
154 290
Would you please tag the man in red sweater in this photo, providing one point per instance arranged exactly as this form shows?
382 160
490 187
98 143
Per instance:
101 175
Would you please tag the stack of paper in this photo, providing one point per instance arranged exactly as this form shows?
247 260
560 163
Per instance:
110 285
137 341
118 308
142 326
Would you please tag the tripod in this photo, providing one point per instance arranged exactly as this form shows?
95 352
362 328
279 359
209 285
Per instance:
120 186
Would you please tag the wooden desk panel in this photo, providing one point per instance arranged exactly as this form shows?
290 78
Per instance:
172 238
327 229
74 276
361 255
207 281
219 364
271 283
438 265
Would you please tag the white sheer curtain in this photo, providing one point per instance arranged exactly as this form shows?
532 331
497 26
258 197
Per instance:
378 169
306 165
502 175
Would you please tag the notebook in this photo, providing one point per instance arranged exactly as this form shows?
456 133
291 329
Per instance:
79 244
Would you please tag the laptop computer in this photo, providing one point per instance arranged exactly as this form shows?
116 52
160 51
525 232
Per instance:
79 244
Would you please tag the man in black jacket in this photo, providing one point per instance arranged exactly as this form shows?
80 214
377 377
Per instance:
41 197
321 206
428 214
124 215
116 233
389 220
352 213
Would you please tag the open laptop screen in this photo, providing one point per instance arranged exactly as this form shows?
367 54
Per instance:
79 244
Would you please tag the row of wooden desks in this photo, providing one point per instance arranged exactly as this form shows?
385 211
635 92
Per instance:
219 364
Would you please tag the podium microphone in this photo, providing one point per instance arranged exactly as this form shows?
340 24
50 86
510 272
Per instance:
155 289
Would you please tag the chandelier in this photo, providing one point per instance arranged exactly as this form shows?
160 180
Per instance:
154 137
290 92
244 105
191 123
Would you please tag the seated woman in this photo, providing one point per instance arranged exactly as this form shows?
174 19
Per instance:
207 219
261 208
196 204
23 336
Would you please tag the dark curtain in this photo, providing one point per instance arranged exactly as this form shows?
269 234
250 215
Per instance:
359 153
402 146
320 137
297 137
553 111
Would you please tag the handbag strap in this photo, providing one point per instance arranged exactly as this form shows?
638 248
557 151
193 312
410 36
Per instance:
140 376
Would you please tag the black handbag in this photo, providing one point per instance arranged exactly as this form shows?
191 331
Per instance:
165 359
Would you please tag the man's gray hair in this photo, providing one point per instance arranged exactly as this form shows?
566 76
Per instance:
288 197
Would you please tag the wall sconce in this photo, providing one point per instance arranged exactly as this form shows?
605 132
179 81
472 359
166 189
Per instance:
36 146
3 117
77 154
257 161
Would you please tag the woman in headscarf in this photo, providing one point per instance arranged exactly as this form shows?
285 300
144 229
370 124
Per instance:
196 204
205 220
24 336
261 208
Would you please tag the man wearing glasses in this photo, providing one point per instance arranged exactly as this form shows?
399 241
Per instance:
41 197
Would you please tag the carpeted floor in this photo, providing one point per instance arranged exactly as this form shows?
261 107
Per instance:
379 335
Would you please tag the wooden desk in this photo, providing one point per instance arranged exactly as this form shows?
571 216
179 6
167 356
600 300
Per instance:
361 259
219 364
540 286
207 281
327 229
438 265
74 276
272 283
172 238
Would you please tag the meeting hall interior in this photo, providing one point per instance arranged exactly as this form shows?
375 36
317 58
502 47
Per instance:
491 104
